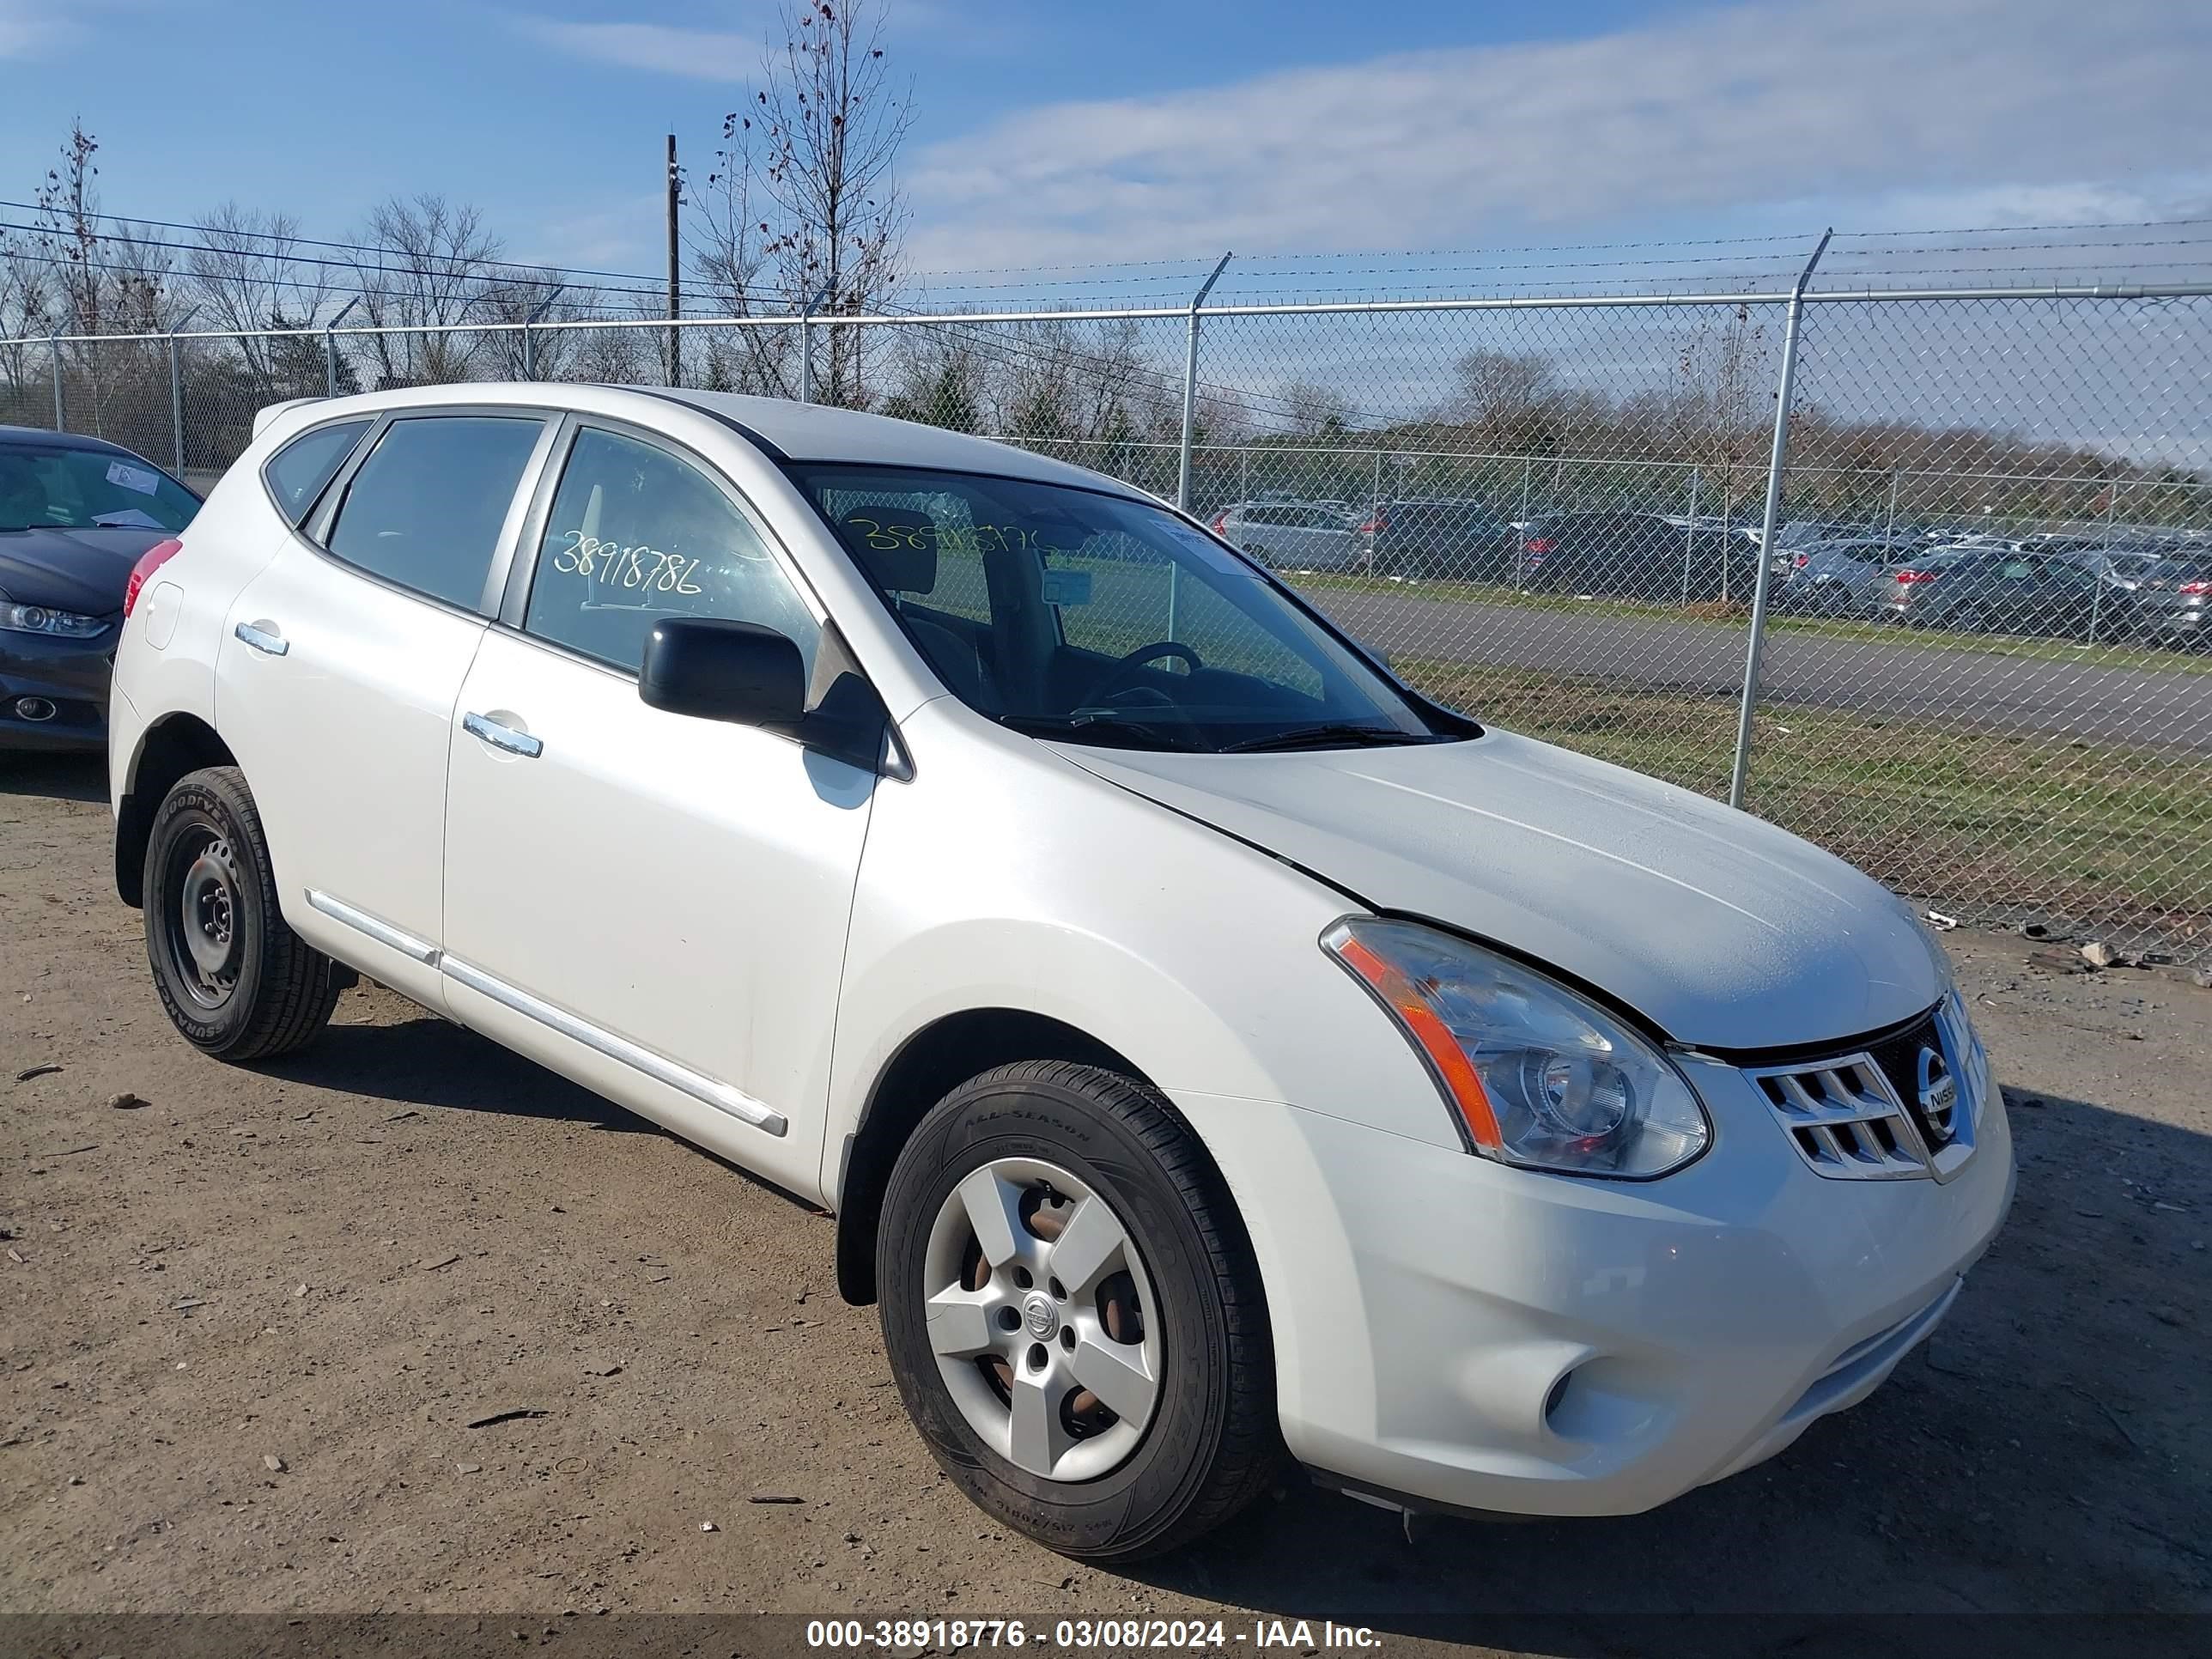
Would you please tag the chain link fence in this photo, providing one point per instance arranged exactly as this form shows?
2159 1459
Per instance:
1974 587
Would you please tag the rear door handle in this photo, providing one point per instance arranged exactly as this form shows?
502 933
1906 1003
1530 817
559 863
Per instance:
502 737
263 637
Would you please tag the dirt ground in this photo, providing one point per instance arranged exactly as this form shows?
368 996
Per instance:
407 1324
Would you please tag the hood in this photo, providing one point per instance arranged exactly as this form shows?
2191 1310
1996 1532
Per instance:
1722 930
80 571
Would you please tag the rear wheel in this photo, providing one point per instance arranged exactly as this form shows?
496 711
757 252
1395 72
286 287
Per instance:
1073 1313
236 981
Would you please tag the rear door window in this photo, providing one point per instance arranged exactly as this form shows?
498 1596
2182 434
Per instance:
424 511
296 473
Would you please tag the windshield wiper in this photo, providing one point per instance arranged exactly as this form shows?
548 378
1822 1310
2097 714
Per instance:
1086 728
1324 735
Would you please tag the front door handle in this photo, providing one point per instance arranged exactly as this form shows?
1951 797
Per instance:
502 737
263 637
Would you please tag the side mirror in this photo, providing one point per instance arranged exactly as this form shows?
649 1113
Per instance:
717 670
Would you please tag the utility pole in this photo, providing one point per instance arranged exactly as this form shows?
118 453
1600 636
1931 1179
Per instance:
675 293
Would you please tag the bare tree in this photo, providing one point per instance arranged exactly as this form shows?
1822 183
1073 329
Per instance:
434 263
1315 410
804 199
1507 398
247 270
1722 404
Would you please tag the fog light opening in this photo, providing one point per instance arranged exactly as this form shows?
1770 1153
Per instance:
35 709
1555 1399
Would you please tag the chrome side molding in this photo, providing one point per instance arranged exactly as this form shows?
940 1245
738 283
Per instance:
705 1090
415 950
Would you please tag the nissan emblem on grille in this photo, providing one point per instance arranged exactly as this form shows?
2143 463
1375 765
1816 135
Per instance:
1938 1092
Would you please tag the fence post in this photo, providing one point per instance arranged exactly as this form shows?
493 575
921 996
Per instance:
1689 537
330 347
1375 505
1762 579
2105 558
530 340
56 343
1520 537
1190 384
806 348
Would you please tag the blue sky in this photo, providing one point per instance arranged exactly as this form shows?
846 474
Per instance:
1144 130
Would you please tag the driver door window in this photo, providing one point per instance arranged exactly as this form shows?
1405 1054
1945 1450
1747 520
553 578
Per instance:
636 534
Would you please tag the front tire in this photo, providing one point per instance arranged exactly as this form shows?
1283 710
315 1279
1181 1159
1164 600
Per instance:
237 981
1073 1314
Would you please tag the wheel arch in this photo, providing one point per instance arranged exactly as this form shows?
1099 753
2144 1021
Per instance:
929 1066
170 748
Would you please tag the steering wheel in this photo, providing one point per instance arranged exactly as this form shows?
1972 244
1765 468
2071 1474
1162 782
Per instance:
1109 684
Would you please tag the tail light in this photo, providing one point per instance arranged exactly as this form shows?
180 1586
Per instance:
1221 524
1906 578
2194 588
149 562
1538 545
1802 560
1376 526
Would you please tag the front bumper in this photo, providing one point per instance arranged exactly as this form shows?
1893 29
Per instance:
1480 1338
71 676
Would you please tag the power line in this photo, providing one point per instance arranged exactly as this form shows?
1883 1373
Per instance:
484 273
538 268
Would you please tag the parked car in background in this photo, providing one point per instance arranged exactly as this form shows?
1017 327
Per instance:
2006 590
2172 600
1211 1051
1893 592
1831 578
76 514
1295 535
1634 556
1807 532
1457 538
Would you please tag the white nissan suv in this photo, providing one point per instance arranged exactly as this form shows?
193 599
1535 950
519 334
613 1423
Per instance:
1210 1047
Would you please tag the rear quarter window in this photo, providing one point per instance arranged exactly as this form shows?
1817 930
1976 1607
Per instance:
296 473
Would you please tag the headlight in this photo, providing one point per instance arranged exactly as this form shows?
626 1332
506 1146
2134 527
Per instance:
37 619
1537 1075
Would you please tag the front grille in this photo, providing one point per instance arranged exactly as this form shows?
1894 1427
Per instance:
1860 1115
1844 1118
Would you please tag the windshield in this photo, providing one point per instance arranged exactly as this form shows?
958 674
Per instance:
46 486
1073 613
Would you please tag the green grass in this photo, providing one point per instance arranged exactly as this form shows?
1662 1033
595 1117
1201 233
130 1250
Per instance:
1732 619
1994 824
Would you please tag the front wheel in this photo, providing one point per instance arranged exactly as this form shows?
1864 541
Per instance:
1073 1314
237 981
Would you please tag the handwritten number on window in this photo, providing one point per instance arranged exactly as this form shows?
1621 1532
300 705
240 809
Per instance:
639 568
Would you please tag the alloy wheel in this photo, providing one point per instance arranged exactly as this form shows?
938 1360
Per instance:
1041 1318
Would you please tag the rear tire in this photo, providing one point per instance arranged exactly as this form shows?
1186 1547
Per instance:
1198 1440
237 981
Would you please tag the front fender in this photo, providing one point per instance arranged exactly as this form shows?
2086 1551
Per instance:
1005 876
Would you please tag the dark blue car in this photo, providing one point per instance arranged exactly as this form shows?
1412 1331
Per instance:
76 514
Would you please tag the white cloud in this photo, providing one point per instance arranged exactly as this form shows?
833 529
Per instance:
699 54
30 31
1994 108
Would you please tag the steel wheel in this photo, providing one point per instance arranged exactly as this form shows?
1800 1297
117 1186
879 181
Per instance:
205 934
1039 1313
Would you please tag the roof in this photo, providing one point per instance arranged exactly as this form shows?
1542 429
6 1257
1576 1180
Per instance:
787 430
818 432
49 438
